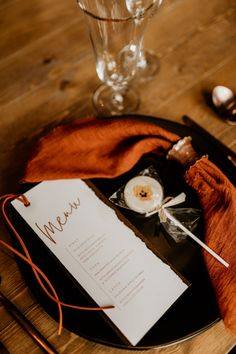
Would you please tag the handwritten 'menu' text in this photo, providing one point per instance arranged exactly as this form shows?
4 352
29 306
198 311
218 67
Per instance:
51 227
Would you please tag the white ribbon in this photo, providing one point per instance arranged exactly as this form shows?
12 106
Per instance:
167 202
165 214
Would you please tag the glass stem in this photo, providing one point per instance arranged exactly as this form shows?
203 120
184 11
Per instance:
118 97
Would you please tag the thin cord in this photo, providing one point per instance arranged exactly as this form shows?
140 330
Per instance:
37 271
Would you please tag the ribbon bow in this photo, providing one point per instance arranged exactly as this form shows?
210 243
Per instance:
164 214
167 202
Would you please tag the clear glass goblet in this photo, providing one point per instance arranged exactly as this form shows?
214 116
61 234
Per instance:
116 35
148 63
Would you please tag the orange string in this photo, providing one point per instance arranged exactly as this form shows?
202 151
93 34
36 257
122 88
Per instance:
20 198
37 271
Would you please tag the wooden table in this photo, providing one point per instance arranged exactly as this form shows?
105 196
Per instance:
47 75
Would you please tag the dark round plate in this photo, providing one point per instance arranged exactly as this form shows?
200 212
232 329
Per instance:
195 310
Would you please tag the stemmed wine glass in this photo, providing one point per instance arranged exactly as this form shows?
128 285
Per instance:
148 63
116 32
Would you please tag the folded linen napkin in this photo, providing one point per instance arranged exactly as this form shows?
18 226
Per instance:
218 199
92 148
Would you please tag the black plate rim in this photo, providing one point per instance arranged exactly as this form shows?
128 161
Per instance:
166 124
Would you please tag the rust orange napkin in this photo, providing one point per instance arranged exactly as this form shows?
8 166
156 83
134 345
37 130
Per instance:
93 147
218 199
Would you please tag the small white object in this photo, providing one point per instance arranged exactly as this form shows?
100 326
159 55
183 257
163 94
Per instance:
221 95
166 203
196 239
143 194
164 213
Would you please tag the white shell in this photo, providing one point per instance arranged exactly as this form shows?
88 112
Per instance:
221 94
137 202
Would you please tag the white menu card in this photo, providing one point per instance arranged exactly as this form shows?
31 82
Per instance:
103 254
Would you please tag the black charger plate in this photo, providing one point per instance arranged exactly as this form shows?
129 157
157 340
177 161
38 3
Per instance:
196 309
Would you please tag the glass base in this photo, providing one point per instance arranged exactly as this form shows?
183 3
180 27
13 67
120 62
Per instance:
148 65
108 102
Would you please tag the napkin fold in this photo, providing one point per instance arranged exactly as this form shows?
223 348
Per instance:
218 199
91 148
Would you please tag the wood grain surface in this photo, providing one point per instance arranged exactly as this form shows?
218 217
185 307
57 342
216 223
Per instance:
47 76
